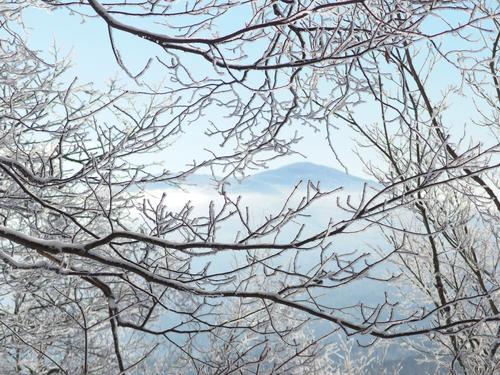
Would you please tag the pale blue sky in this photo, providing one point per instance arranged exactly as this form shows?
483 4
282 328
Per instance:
87 45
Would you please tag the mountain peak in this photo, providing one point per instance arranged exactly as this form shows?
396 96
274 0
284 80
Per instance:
291 174
284 177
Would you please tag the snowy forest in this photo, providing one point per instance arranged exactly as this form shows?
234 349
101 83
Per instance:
249 187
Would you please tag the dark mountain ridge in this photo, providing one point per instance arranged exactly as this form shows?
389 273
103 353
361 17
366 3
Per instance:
280 178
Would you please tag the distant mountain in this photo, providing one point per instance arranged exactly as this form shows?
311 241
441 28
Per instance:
291 174
286 177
